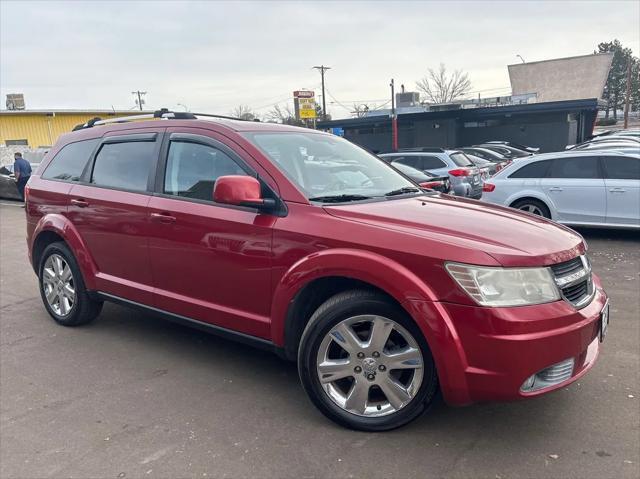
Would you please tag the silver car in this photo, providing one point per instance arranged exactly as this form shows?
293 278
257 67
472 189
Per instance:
591 188
465 177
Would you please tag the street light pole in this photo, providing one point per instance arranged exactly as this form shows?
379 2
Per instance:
394 119
322 69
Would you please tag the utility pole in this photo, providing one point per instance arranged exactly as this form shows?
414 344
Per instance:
322 69
394 119
627 95
140 100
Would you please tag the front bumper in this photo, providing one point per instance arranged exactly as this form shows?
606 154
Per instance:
486 354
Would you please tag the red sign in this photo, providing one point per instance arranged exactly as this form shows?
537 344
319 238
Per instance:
303 94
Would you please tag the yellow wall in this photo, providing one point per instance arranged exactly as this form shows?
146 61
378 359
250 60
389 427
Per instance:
42 130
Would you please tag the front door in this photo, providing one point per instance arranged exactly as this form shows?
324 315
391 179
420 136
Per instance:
210 262
109 210
575 186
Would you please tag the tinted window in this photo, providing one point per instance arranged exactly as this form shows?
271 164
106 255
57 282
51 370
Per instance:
192 170
431 163
412 161
622 168
579 167
124 165
460 159
69 163
532 170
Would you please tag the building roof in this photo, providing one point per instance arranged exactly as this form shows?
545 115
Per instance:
472 114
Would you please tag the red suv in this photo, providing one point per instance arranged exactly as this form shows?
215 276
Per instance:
303 243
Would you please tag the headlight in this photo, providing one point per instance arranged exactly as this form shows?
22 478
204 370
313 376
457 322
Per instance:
505 286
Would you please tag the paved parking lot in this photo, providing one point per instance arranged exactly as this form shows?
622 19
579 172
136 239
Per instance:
134 396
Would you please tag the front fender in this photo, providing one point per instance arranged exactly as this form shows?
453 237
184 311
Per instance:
59 224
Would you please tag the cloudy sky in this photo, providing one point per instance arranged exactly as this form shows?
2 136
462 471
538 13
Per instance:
212 56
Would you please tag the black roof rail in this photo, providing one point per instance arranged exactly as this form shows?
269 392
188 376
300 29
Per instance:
161 113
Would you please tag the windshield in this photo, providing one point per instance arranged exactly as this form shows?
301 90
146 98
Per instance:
329 168
460 159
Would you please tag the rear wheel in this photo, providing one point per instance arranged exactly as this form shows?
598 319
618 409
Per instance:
62 288
532 206
365 364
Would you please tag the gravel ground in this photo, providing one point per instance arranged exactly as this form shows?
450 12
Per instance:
134 396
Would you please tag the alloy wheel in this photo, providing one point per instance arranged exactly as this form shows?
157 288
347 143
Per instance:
529 208
58 285
370 365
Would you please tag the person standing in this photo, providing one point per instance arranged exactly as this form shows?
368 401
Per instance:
22 172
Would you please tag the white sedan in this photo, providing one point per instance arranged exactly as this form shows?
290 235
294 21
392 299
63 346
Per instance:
581 188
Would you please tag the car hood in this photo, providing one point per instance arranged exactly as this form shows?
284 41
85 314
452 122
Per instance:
511 237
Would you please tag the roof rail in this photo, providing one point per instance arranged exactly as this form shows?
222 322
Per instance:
162 113
424 149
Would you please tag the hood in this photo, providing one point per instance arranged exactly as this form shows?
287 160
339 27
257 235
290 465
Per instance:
511 237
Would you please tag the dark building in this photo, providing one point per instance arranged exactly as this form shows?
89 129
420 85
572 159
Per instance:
550 126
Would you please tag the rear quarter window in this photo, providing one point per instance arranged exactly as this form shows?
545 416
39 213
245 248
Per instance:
69 162
460 159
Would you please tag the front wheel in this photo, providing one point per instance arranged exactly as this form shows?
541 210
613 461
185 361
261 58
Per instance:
365 364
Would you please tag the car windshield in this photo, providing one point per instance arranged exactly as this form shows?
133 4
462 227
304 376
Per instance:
460 159
328 168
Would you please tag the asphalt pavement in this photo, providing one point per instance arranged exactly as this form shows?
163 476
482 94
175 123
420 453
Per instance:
134 396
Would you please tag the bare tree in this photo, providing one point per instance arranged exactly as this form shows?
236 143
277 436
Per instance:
360 110
243 112
441 87
279 114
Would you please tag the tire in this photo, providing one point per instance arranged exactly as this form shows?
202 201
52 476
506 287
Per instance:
533 206
66 308
357 310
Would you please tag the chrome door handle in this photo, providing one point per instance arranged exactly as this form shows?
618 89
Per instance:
163 218
555 188
617 190
79 203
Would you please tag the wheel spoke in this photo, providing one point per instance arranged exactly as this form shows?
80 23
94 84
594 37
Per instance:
57 265
69 291
380 331
346 338
334 369
51 295
358 396
64 304
410 358
49 274
395 393
66 273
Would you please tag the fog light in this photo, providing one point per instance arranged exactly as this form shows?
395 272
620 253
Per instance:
550 376
528 383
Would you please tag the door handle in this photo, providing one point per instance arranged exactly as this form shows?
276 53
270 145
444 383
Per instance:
617 190
80 203
163 218
555 188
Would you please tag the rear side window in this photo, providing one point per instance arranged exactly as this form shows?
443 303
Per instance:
537 169
460 159
431 163
192 170
70 161
578 167
622 168
412 161
124 165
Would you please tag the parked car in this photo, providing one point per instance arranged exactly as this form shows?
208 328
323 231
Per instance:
518 146
610 145
507 151
383 293
490 155
605 140
464 175
581 188
425 179
487 168
8 185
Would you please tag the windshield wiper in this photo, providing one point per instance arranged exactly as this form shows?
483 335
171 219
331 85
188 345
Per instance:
403 190
339 198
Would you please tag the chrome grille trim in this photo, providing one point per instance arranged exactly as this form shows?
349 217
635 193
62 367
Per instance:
573 279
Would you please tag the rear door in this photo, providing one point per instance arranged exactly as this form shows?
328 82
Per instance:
622 181
109 209
575 187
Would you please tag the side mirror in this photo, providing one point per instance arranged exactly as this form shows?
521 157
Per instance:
240 191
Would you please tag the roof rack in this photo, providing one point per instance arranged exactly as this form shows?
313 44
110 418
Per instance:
162 113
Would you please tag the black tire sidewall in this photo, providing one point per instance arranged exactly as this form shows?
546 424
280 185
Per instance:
76 316
313 335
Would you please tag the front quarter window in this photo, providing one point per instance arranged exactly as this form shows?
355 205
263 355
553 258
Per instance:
328 168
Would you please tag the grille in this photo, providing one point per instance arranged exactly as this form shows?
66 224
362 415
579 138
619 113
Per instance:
574 280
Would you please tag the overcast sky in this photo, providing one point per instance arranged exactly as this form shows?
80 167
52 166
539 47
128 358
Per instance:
212 56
